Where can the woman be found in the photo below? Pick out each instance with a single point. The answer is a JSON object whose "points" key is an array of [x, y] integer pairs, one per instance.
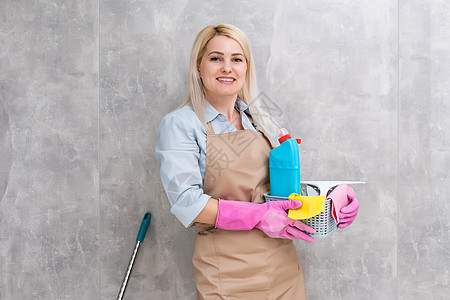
{"points": [[214, 167]]}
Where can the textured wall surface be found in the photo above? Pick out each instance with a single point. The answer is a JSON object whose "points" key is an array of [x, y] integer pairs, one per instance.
{"points": [[424, 153], [49, 148], [84, 85]]}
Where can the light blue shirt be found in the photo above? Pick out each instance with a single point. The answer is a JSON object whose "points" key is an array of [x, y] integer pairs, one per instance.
{"points": [[181, 150]]}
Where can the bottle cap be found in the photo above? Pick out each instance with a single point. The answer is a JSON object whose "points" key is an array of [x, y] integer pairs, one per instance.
{"points": [[283, 135]]}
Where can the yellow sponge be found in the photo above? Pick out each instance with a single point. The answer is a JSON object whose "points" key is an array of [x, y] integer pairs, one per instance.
{"points": [[311, 206]]}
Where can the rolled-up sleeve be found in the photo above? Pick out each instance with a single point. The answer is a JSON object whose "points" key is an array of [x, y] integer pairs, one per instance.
{"points": [[179, 154]]}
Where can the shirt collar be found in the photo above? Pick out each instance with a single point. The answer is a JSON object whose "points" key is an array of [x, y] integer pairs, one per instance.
{"points": [[241, 106], [211, 113]]}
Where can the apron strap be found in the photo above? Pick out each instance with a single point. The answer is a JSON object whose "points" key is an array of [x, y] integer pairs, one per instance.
{"points": [[209, 129], [250, 119], [269, 139]]}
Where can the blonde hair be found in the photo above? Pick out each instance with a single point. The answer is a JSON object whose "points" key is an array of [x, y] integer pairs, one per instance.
{"points": [[248, 93]]}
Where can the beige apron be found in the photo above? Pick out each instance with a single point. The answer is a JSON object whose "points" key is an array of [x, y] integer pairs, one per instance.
{"points": [[242, 264]]}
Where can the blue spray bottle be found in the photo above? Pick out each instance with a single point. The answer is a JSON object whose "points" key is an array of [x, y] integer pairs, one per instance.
{"points": [[284, 166]]}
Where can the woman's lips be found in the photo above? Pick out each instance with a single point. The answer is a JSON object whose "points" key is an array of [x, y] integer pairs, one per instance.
{"points": [[226, 80]]}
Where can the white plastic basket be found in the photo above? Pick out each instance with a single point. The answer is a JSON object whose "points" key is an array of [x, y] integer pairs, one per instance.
{"points": [[323, 223]]}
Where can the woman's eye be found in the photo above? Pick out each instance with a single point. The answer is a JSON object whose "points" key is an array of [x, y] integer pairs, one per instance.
{"points": [[237, 60], [214, 58]]}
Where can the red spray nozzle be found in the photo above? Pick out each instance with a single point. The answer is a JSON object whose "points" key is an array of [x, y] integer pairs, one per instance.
{"points": [[283, 135]]}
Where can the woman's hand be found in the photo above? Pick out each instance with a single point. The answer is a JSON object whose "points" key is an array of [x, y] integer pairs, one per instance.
{"points": [[348, 213], [276, 224], [269, 217]]}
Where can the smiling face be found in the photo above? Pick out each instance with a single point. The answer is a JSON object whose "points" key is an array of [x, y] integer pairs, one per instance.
{"points": [[223, 68]]}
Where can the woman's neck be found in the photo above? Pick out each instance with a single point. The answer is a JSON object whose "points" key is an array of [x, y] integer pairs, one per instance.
{"points": [[225, 106]]}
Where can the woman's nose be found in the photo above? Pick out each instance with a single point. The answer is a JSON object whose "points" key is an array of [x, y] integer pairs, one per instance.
{"points": [[226, 66]]}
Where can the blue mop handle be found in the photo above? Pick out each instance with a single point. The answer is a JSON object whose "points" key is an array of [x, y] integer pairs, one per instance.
{"points": [[144, 227], [139, 240]]}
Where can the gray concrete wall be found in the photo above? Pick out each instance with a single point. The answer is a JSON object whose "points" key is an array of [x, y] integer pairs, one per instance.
{"points": [[84, 84]]}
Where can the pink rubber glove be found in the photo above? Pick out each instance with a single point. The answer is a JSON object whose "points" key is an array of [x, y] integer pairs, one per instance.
{"points": [[344, 205], [270, 217], [348, 213]]}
